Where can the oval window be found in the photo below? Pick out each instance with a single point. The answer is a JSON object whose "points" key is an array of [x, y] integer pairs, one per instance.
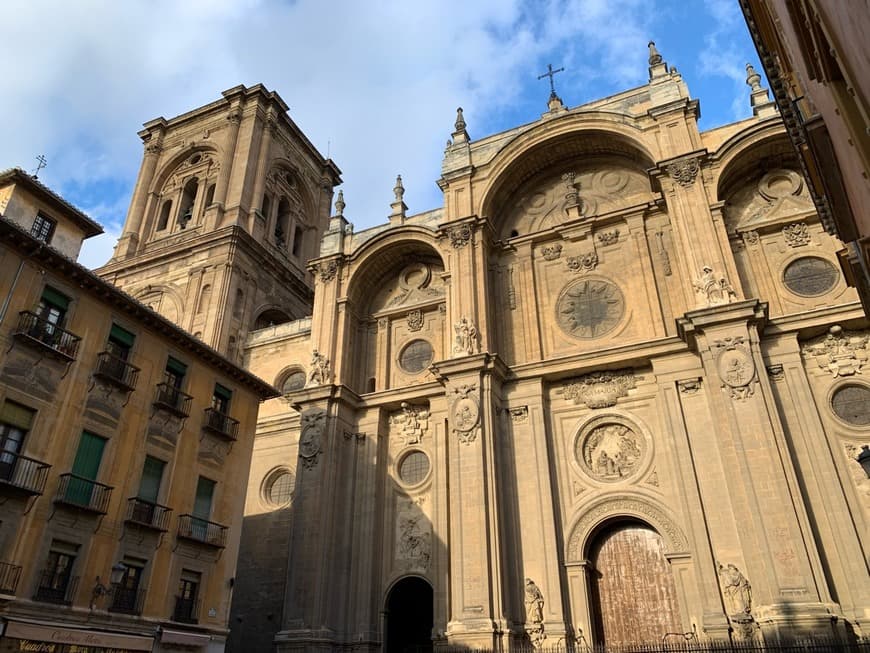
{"points": [[416, 356], [810, 276]]}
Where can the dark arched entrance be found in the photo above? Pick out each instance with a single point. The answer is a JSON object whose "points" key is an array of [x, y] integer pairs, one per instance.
{"points": [[408, 619], [634, 598]]}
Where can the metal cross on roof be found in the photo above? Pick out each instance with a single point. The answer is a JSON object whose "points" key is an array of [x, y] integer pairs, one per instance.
{"points": [[42, 164], [550, 72]]}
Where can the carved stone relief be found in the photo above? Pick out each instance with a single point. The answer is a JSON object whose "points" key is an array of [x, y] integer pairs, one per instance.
{"points": [[714, 291], [310, 437], [684, 171], [534, 601], [519, 415], [737, 594], [320, 369], [610, 452], [839, 352], [583, 263], [327, 270], [410, 423], [415, 320], [413, 536], [589, 308], [600, 389], [778, 197], [776, 372], [551, 252], [735, 367], [796, 234], [415, 283], [459, 235], [465, 342], [689, 386], [465, 413], [608, 237]]}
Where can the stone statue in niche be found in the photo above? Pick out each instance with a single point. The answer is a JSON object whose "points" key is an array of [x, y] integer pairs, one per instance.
{"points": [[611, 452], [319, 373], [412, 423], [715, 291], [534, 601], [466, 337], [738, 598]]}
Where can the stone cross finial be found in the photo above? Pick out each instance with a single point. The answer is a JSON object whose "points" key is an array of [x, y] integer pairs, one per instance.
{"points": [[655, 58], [753, 79], [398, 189], [459, 125], [339, 204]]}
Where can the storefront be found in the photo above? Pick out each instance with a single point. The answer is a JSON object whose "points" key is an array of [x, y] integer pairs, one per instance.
{"points": [[47, 637]]}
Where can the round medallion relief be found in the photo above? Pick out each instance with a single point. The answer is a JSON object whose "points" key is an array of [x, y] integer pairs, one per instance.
{"points": [[851, 403], [416, 356], [736, 367], [589, 307], [610, 452], [810, 276]]}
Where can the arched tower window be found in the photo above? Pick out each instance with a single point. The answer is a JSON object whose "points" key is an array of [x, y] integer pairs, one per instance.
{"points": [[204, 297], [298, 236], [165, 210], [282, 223], [267, 205], [209, 197], [188, 197]]}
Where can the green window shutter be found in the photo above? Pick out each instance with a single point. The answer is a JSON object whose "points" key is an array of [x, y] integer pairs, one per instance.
{"points": [[17, 415], [89, 456], [222, 392], [55, 298], [152, 475], [176, 367], [121, 336], [204, 494]]}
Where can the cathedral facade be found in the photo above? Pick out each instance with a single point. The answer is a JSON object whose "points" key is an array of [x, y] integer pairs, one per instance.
{"points": [[612, 391]]}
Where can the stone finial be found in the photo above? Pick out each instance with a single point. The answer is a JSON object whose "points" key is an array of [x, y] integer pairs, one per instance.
{"points": [[655, 58], [459, 125], [339, 204], [753, 78], [398, 189]]}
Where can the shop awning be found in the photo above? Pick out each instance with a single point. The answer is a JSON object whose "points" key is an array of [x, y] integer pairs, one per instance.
{"points": [[183, 638], [61, 633]]}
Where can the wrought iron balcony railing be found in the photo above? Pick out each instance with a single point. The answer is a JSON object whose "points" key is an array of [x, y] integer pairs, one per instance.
{"points": [[172, 399], [202, 531], [186, 611], [148, 514], [83, 493], [116, 371], [221, 424], [56, 588], [127, 600], [9, 576], [22, 475], [39, 332]]}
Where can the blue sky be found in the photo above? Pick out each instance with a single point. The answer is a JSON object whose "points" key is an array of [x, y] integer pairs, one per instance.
{"points": [[375, 84]]}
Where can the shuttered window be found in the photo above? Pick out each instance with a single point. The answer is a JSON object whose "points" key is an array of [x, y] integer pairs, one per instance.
{"points": [[89, 456], [204, 495], [152, 476]]}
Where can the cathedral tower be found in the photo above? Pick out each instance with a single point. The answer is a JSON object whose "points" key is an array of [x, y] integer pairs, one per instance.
{"points": [[230, 203]]}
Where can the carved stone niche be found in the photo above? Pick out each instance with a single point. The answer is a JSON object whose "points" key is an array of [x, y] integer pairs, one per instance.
{"points": [[600, 389]]}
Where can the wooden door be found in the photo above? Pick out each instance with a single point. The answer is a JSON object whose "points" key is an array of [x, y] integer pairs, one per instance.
{"points": [[633, 593]]}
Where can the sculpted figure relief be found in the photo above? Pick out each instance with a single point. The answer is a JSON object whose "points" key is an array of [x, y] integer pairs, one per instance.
{"points": [[534, 613], [736, 589], [319, 373], [611, 451], [714, 291], [466, 337]]}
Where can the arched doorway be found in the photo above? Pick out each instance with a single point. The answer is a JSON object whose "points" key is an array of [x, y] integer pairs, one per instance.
{"points": [[633, 595], [408, 619]]}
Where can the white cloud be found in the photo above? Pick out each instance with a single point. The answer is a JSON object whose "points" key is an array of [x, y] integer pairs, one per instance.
{"points": [[376, 83]]}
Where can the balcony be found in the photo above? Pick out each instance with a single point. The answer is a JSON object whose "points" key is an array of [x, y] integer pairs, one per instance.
{"points": [[37, 332], [186, 610], [148, 515], [127, 600], [56, 588], [172, 400], [202, 531], [22, 475], [220, 424], [9, 575], [116, 371], [83, 494]]}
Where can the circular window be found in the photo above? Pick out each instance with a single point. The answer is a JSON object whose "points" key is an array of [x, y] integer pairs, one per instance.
{"points": [[413, 468], [416, 356], [810, 276], [196, 158], [851, 403], [278, 487], [294, 381], [589, 308]]}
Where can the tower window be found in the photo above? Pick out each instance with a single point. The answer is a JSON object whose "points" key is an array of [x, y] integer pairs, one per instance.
{"points": [[209, 197], [297, 241], [188, 197], [165, 210], [43, 228], [282, 223]]}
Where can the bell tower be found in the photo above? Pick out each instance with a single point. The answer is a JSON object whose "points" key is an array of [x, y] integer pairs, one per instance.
{"points": [[229, 205]]}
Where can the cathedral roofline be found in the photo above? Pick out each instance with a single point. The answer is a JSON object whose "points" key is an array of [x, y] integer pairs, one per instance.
{"points": [[14, 236], [89, 226]]}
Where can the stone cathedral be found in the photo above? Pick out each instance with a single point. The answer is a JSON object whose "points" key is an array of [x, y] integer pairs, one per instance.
{"points": [[614, 390]]}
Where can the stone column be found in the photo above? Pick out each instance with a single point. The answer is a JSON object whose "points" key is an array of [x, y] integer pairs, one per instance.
{"points": [[263, 163]]}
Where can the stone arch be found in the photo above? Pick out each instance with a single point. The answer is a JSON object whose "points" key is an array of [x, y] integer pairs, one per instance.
{"points": [[162, 298], [284, 376], [739, 156], [567, 138], [269, 315], [175, 162], [619, 506]]}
